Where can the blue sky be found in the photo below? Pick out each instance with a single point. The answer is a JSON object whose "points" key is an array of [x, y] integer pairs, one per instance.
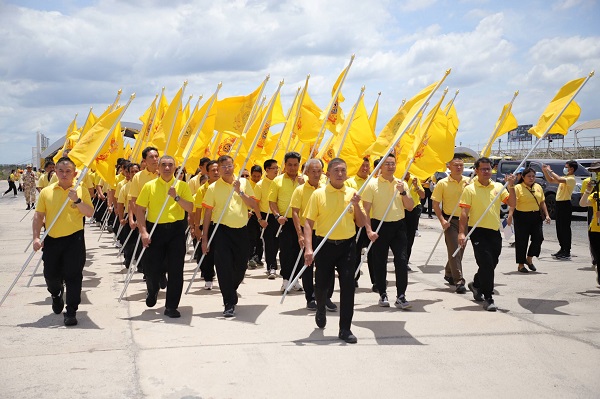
{"points": [[60, 58]]}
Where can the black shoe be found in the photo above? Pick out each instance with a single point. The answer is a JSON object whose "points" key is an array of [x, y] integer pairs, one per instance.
{"points": [[449, 279], [408, 268], [477, 295], [311, 305], [32, 206], [332, 307], [163, 281], [460, 288], [28, 207], [151, 298], [58, 303], [321, 318], [355, 283], [523, 270], [560, 252], [229, 311], [347, 336], [172, 313], [70, 319], [531, 267], [564, 256]]}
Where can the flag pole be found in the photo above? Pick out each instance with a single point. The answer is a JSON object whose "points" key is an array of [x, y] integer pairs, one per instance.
{"points": [[34, 271], [548, 127], [164, 205], [78, 182], [333, 101], [360, 96], [297, 114], [162, 94], [189, 120], [497, 129], [85, 123], [174, 120], [239, 140], [271, 103], [114, 104], [287, 120], [373, 173]]}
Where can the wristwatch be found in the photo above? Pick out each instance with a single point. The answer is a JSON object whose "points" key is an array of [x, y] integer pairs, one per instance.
{"points": [[403, 193], [241, 193], [277, 216], [177, 198], [78, 201]]}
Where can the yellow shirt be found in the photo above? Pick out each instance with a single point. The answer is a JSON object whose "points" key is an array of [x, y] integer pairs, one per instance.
{"points": [[261, 193], [252, 184], [300, 198], [122, 196], [448, 192], [194, 183], [566, 189], [153, 195], [281, 192], [526, 202], [379, 193], [414, 190], [325, 206], [138, 181], [12, 177], [355, 182], [594, 227], [236, 214], [477, 198], [71, 219], [43, 181], [119, 187]]}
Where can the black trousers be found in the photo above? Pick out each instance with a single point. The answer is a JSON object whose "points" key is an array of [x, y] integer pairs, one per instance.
{"points": [[308, 278], [528, 225], [428, 200], [563, 225], [130, 244], [594, 238], [363, 242], [487, 245], [255, 248], [166, 251], [593, 253], [271, 242], [64, 258], [207, 267], [411, 218], [288, 250], [11, 186], [231, 249], [336, 255], [392, 235]]}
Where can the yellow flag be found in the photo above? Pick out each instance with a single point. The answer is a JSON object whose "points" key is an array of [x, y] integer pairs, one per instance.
{"points": [[84, 152], [68, 144], [337, 84], [161, 109], [453, 121], [396, 125], [202, 142], [106, 160], [169, 126], [502, 127], [233, 112], [143, 136], [128, 151], [558, 103], [373, 116], [307, 124]]}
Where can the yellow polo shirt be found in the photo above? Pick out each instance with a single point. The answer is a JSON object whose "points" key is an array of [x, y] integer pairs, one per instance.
{"points": [[594, 227], [194, 183], [477, 198], [252, 184], [448, 192], [236, 214], [119, 187], [122, 196], [414, 190], [300, 198], [71, 219], [526, 202], [43, 181], [325, 206], [138, 181], [199, 197], [355, 182], [153, 195], [566, 189], [281, 192], [379, 193], [261, 193]]}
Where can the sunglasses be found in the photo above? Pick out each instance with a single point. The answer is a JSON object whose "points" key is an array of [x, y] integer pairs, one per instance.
{"points": [[245, 176]]}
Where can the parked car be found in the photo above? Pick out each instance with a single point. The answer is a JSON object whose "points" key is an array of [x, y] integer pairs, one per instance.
{"points": [[587, 162], [506, 167]]}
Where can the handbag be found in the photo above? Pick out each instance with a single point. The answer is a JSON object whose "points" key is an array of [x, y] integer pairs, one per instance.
{"points": [[542, 216]]}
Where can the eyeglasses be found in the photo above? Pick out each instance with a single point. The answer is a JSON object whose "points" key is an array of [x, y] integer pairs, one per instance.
{"points": [[390, 163], [245, 176], [485, 169], [226, 166]]}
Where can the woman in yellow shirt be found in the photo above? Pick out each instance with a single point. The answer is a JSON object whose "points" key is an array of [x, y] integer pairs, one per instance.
{"points": [[528, 220], [591, 198]]}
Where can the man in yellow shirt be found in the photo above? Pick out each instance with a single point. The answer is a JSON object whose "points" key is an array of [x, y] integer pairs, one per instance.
{"points": [[11, 183], [123, 212], [324, 207], [64, 246], [261, 192], [486, 239], [564, 210], [411, 218], [44, 179], [447, 192], [392, 234], [166, 248], [230, 241], [256, 244], [591, 199], [280, 195]]}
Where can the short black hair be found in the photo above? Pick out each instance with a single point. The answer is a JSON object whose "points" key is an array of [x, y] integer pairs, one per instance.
{"points": [[483, 160], [291, 155], [267, 164], [456, 156], [204, 161], [147, 150], [573, 164], [131, 165], [224, 158], [334, 162], [48, 163], [67, 160], [210, 163], [256, 168]]}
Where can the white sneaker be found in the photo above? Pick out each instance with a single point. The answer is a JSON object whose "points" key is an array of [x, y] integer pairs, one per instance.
{"points": [[383, 301], [284, 285], [297, 286], [417, 234], [272, 274], [208, 285], [402, 303]]}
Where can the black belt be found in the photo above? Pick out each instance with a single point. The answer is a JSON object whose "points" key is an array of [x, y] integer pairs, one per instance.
{"points": [[336, 242]]}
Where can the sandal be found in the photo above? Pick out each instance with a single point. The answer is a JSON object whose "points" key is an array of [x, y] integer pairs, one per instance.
{"points": [[531, 267]]}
